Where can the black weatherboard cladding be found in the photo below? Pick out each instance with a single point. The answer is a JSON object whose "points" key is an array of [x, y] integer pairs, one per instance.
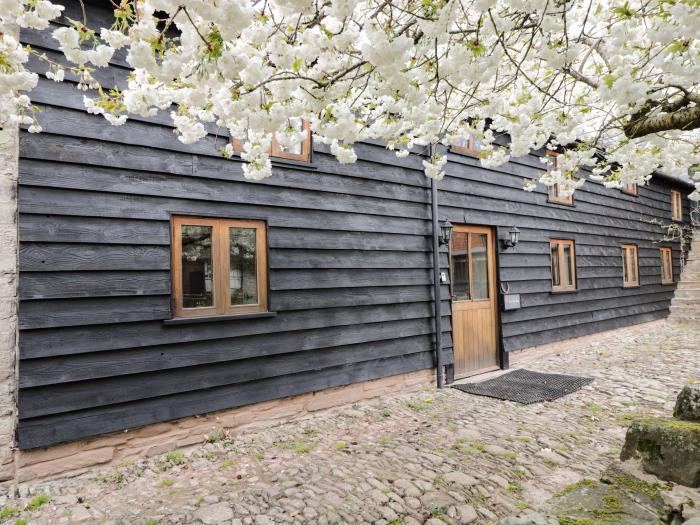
{"points": [[349, 257]]}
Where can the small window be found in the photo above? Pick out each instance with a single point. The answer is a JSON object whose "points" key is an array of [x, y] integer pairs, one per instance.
{"points": [[630, 189], [630, 265], [219, 266], [470, 145], [301, 152], [563, 258], [666, 265], [677, 205], [553, 164]]}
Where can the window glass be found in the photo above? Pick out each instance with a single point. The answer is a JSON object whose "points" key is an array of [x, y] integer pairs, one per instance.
{"points": [[625, 265], [567, 264], [297, 149], [197, 269], [243, 279], [556, 272], [460, 268], [480, 266]]}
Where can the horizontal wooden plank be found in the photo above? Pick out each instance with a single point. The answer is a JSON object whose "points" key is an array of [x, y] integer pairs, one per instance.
{"points": [[565, 321], [66, 229], [235, 189], [96, 365], [43, 257], [344, 278], [65, 285], [75, 312], [47, 430], [349, 259], [88, 204], [99, 338], [70, 396], [360, 178], [551, 335], [575, 306]]}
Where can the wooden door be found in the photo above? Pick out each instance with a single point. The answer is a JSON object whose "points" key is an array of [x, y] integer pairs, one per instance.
{"points": [[474, 320]]}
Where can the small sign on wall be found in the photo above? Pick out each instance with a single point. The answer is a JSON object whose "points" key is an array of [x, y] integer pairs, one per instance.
{"points": [[511, 301]]}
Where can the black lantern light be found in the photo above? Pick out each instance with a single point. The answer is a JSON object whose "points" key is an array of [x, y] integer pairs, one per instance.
{"points": [[445, 232], [513, 238]]}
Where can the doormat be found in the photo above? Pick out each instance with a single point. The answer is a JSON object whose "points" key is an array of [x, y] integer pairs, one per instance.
{"points": [[526, 387]]}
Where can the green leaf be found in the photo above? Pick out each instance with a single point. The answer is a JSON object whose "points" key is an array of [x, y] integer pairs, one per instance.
{"points": [[624, 11]]}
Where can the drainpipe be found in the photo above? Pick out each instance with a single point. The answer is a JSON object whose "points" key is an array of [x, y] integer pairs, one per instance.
{"points": [[436, 280]]}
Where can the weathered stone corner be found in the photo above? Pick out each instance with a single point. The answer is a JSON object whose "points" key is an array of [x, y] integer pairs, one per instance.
{"points": [[688, 403], [9, 238]]}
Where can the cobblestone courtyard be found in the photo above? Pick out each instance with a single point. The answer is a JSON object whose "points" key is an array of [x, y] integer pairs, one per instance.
{"points": [[424, 456]]}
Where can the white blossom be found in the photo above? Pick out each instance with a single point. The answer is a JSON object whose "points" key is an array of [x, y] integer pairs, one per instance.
{"points": [[576, 76]]}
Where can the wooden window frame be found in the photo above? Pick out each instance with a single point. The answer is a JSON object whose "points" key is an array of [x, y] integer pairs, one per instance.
{"points": [[630, 189], [276, 150], [628, 249], [221, 266], [554, 191], [560, 243], [469, 149], [666, 260], [676, 205]]}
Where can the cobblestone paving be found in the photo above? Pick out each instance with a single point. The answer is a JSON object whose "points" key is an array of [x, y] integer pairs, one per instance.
{"points": [[425, 456]]}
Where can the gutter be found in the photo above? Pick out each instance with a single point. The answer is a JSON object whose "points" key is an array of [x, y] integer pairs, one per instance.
{"points": [[436, 281]]}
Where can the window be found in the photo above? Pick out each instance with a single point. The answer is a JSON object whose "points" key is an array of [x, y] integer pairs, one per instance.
{"points": [[677, 205], [553, 164], [301, 152], [666, 265], [563, 259], [630, 265], [470, 145], [469, 265], [219, 266], [630, 189]]}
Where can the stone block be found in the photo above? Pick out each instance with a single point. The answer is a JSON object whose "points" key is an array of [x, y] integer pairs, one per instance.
{"points": [[65, 465], [688, 403], [335, 397], [668, 448]]}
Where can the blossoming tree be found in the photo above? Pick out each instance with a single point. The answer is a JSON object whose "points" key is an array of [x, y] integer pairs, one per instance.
{"points": [[617, 83]]}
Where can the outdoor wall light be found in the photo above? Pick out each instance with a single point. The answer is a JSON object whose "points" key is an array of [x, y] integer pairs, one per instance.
{"points": [[445, 232], [513, 238]]}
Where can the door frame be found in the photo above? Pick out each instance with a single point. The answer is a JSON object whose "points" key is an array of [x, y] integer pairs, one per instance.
{"points": [[501, 356]]}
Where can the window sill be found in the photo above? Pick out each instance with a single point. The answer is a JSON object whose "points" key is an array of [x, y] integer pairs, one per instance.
{"points": [[631, 285], [287, 163], [465, 153], [557, 292], [668, 283], [569, 204], [281, 162], [217, 318]]}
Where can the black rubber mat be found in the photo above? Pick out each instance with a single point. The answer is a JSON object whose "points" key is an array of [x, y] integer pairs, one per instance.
{"points": [[526, 387]]}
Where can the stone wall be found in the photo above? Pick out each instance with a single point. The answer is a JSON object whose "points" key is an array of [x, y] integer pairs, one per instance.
{"points": [[77, 457], [9, 163]]}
